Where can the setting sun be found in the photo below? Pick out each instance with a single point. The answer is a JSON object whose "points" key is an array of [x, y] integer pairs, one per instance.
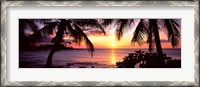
{"points": [[113, 44]]}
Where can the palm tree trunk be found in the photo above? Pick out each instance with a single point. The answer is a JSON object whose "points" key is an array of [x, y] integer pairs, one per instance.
{"points": [[157, 37], [49, 59], [59, 36], [160, 62]]}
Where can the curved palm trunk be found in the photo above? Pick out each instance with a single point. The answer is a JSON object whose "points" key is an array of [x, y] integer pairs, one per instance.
{"points": [[49, 59], [59, 36], [157, 37]]}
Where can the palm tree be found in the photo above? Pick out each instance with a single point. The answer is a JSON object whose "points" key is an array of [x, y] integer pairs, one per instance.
{"points": [[147, 30], [70, 27]]}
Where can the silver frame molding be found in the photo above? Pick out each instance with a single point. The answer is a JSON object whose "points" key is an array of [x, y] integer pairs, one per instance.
{"points": [[5, 4]]}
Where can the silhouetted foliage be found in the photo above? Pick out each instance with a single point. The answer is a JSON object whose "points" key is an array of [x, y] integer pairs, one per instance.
{"points": [[24, 26], [73, 28], [143, 59], [147, 31]]}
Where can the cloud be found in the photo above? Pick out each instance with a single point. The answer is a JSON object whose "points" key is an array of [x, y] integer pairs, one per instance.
{"points": [[164, 41]]}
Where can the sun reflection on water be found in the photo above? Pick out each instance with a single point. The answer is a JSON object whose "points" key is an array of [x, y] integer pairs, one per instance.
{"points": [[113, 57]]}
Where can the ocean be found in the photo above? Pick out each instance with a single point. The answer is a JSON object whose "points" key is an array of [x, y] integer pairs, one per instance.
{"points": [[81, 58]]}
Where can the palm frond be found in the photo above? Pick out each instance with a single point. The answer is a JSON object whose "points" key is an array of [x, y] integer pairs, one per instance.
{"points": [[140, 33], [45, 31], [172, 28], [107, 22], [57, 39], [131, 21], [84, 37], [176, 23], [75, 35], [27, 23], [122, 24], [92, 23], [60, 33]]}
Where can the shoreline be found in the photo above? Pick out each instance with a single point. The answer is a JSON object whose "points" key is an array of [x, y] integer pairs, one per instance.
{"points": [[34, 64]]}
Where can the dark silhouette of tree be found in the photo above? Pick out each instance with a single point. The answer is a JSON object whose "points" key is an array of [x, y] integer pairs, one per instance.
{"points": [[147, 30], [142, 59], [70, 27], [25, 25], [26, 28]]}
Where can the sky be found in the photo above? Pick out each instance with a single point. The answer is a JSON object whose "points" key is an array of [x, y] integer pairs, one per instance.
{"points": [[110, 41]]}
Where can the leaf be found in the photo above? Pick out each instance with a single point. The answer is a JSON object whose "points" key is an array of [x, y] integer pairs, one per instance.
{"points": [[140, 33], [122, 24], [88, 43], [45, 31], [172, 28]]}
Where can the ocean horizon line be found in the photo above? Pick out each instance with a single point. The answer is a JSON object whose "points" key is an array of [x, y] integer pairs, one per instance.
{"points": [[125, 48]]}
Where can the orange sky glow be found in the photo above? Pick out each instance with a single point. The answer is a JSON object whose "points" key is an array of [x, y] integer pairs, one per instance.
{"points": [[110, 41]]}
